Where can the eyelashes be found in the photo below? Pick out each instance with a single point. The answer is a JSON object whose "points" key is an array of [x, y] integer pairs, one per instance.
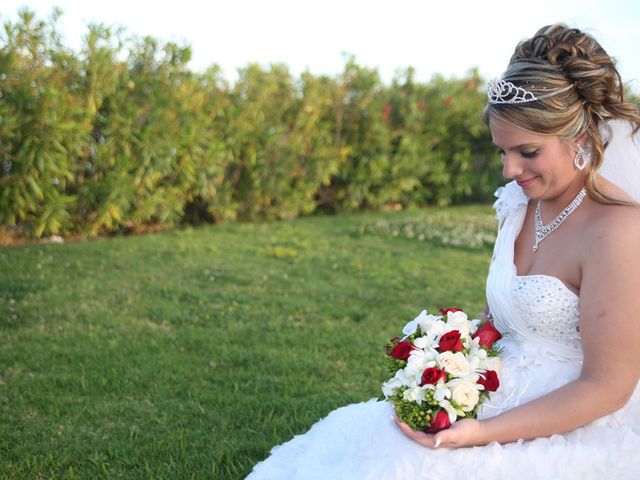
{"points": [[528, 154], [531, 154]]}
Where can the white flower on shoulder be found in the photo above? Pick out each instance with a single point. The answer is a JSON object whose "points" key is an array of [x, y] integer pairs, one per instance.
{"points": [[455, 363], [510, 198]]}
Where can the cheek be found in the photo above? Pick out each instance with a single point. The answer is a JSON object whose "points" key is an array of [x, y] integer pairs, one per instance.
{"points": [[555, 165]]}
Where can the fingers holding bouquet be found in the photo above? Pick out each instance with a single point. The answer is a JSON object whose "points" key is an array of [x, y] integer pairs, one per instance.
{"points": [[463, 433]]}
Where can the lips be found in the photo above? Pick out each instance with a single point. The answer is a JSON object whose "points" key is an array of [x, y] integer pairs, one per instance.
{"points": [[527, 182]]}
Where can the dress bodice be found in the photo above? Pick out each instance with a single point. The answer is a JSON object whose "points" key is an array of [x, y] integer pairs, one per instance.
{"points": [[538, 311], [549, 309]]}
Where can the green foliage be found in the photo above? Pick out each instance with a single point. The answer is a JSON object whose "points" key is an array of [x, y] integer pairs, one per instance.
{"points": [[418, 417], [122, 135], [43, 124]]}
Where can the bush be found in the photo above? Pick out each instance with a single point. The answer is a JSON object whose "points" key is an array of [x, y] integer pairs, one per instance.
{"points": [[122, 135]]}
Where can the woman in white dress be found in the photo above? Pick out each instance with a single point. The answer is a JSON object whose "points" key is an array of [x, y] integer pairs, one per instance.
{"points": [[562, 288]]}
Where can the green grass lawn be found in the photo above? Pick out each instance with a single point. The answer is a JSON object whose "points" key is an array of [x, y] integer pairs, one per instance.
{"points": [[189, 354]]}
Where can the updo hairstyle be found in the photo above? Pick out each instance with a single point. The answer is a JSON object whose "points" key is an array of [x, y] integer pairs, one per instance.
{"points": [[558, 57]]}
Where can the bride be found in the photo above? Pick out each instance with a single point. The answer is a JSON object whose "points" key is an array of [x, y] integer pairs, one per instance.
{"points": [[562, 289]]}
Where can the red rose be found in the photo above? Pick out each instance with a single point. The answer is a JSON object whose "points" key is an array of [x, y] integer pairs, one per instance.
{"points": [[447, 310], [402, 350], [440, 421], [451, 341], [490, 380], [432, 375], [487, 334]]}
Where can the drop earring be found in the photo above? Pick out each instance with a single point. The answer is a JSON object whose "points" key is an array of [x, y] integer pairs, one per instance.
{"points": [[583, 157]]}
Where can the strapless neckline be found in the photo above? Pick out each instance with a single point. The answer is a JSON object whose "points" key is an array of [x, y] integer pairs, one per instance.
{"points": [[556, 279]]}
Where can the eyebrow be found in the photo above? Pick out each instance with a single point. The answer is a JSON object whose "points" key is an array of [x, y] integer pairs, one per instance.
{"points": [[519, 147]]}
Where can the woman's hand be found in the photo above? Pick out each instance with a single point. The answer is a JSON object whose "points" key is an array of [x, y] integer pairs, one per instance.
{"points": [[464, 433]]}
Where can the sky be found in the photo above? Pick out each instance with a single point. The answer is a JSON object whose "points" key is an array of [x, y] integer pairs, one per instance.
{"points": [[443, 37]]}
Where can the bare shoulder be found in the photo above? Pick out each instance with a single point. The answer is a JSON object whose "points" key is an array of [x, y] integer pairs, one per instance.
{"points": [[613, 232], [612, 219], [610, 267]]}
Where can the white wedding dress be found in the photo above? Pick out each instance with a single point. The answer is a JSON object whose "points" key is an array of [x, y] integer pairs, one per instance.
{"points": [[538, 316]]}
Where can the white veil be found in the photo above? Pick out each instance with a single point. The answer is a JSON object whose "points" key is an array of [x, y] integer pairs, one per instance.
{"points": [[621, 156]]}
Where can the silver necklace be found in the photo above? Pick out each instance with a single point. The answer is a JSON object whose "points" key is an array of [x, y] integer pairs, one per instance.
{"points": [[543, 231]]}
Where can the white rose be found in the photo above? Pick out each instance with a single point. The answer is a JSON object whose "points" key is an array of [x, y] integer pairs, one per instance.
{"points": [[465, 395], [455, 363], [458, 321], [493, 363]]}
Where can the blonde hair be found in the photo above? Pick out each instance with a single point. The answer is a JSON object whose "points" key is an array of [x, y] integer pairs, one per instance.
{"points": [[558, 57]]}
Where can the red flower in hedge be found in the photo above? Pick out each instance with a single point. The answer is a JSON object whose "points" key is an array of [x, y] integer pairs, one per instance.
{"points": [[386, 113]]}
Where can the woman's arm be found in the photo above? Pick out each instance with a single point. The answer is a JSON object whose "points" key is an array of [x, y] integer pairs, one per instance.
{"points": [[610, 332]]}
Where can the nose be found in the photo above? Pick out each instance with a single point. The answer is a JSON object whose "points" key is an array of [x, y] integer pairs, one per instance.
{"points": [[511, 166]]}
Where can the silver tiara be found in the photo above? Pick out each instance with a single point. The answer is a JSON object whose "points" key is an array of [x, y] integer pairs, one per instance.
{"points": [[501, 91]]}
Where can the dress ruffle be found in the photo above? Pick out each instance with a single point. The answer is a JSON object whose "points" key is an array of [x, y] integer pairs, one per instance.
{"points": [[361, 441]]}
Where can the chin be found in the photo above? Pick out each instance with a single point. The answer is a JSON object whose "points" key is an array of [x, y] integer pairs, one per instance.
{"points": [[532, 193]]}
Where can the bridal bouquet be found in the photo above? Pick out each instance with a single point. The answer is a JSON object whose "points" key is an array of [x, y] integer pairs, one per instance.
{"points": [[443, 368]]}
